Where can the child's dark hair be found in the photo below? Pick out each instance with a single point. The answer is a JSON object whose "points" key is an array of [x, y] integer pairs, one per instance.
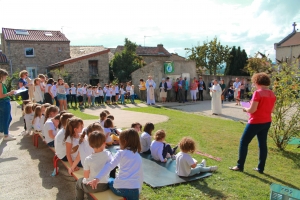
{"points": [[49, 110], [133, 125], [92, 127], [148, 128], [63, 119], [106, 111], [159, 135], [28, 109], [110, 117], [34, 105], [61, 113], [108, 123], [50, 81], [130, 139], [187, 145], [57, 117], [96, 139], [103, 115], [72, 123]]}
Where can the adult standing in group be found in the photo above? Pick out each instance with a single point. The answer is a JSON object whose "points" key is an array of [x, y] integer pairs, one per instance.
{"points": [[194, 89], [5, 107], [142, 88], [187, 85], [201, 87], [150, 85], [181, 89], [54, 93], [236, 87], [216, 104], [48, 92], [163, 90], [223, 86], [262, 105], [61, 94], [23, 83], [169, 89], [176, 89]]}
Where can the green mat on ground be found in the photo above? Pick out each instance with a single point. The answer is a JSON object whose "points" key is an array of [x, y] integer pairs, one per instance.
{"points": [[158, 174]]}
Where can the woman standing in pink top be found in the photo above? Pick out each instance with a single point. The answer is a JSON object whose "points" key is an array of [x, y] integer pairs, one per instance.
{"points": [[262, 105]]}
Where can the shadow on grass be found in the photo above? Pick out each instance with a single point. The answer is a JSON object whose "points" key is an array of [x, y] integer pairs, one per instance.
{"points": [[293, 156], [205, 189], [271, 177]]}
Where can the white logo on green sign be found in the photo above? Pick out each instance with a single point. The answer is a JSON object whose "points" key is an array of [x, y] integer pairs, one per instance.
{"points": [[169, 68]]}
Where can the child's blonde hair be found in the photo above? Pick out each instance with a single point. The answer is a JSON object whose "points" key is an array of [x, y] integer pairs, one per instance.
{"points": [[159, 135], [28, 109], [36, 80], [187, 145], [49, 110], [129, 139], [72, 123], [37, 113]]}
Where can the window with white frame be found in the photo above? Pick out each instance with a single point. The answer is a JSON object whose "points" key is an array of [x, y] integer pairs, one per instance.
{"points": [[32, 71], [29, 52]]}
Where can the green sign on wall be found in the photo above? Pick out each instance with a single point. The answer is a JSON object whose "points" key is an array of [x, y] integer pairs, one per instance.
{"points": [[169, 67]]}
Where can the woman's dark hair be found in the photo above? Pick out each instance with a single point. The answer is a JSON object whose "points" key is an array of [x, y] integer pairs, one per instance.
{"points": [[261, 79], [148, 128], [92, 127], [129, 139], [96, 139], [108, 123], [50, 81]]}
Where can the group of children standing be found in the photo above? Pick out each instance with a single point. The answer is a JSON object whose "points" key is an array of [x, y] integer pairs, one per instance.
{"points": [[87, 148]]}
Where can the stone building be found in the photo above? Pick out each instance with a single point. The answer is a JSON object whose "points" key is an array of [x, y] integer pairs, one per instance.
{"points": [[34, 50], [89, 68], [288, 49]]}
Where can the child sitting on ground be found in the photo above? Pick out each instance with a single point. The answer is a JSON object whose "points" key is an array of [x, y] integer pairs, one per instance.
{"points": [[129, 181], [160, 151], [92, 165], [111, 134], [29, 115], [50, 130], [185, 164], [146, 138]]}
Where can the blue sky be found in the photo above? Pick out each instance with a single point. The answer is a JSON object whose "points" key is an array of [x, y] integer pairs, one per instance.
{"points": [[255, 25]]}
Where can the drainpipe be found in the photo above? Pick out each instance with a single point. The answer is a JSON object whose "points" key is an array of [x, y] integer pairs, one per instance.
{"points": [[10, 67]]}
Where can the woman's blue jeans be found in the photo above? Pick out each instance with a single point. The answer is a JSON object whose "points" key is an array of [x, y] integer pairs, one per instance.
{"points": [[122, 99], [5, 116], [129, 194], [261, 132]]}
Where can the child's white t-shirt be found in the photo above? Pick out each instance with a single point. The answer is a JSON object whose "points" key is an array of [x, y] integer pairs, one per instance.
{"points": [[79, 91], [37, 124], [47, 127], [128, 88], [107, 132], [54, 90], [89, 92], [59, 143], [96, 93], [108, 94], [156, 149], [145, 141], [183, 164], [101, 93], [122, 91], [84, 90], [117, 89], [85, 149], [131, 172], [131, 91], [94, 163], [74, 142], [113, 92], [42, 122], [73, 90], [28, 120]]}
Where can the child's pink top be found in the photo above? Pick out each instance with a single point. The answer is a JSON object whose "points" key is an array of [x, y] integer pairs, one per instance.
{"points": [[266, 100]]}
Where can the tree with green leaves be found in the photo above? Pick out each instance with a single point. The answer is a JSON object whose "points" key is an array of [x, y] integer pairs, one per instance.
{"points": [[126, 62], [211, 55], [237, 62]]}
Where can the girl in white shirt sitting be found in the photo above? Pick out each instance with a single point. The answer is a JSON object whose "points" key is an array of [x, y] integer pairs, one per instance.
{"points": [[129, 181], [28, 117], [37, 120], [50, 130], [73, 129], [146, 138], [185, 164], [160, 151]]}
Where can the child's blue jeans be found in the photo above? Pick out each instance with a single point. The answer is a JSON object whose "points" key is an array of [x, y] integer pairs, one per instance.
{"points": [[198, 169], [129, 194], [122, 98], [132, 98], [93, 100], [5, 116]]}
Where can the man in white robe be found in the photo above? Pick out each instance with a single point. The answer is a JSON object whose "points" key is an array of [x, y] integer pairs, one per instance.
{"points": [[150, 85], [216, 103]]}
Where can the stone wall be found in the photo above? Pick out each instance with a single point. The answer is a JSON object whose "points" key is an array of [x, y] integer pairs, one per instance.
{"points": [[45, 53], [288, 52], [79, 70], [156, 69], [6, 67]]}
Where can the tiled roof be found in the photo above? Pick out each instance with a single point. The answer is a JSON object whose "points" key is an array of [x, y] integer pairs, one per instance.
{"points": [[71, 60], [290, 40], [76, 51], [148, 51], [34, 35], [3, 59]]}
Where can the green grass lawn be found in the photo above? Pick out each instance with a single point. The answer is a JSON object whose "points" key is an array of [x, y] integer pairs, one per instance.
{"points": [[220, 138]]}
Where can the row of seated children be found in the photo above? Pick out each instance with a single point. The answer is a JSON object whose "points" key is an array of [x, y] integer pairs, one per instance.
{"points": [[161, 151]]}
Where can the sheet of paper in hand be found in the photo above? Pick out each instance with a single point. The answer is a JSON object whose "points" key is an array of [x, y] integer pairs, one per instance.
{"points": [[246, 105], [22, 89]]}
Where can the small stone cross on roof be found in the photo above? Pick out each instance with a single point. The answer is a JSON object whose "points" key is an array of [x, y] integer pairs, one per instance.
{"points": [[294, 25]]}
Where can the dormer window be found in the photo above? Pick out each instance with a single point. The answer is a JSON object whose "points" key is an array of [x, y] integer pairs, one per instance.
{"points": [[48, 34], [21, 32]]}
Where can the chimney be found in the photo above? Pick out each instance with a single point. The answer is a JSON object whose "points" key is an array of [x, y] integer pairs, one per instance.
{"points": [[160, 48]]}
